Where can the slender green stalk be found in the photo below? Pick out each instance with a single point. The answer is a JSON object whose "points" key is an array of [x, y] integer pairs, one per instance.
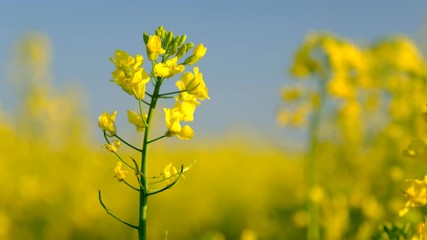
{"points": [[143, 193], [313, 228]]}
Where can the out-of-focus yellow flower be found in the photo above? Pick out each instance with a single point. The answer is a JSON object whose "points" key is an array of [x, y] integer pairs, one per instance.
{"points": [[422, 231], [172, 120], [169, 171], [416, 149], [137, 120], [106, 122], [193, 84], [154, 47], [120, 174], [339, 86], [316, 194], [113, 146], [248, 234], [169, 68], [416, 195], [198, 53], [291, 94], [129, 74]]}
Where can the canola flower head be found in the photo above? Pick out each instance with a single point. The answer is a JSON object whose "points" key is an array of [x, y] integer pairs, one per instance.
{"points": [[107, 122], [168, 69], [129, 74], [154, 47]]}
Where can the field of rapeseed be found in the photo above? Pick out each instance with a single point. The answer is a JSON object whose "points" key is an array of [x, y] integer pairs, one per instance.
{"points": [[360, 174]]}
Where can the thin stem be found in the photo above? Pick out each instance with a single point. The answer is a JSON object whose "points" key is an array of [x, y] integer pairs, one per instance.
{"points": [[171, 93], [125, 142], [169, 185], [134, 188], [141, 113], [111, 214], [313, 228], [153, 140], [123, 161]]}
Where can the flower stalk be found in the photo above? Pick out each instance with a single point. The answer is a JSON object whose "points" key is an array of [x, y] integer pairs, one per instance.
{"points": [[132, 78]]}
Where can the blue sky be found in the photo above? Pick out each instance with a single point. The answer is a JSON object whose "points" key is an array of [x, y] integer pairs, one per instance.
{"points": [[250, 45]]}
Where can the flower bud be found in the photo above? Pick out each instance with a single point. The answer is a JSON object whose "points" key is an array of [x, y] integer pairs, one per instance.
{"points": [[182, 39], [145, 36], [189, 46], [174, 48], [181, 51], [168, 39], [160, 32]]}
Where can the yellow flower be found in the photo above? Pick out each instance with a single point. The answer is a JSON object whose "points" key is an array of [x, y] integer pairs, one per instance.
{"points": [[416, 195], [113, 146], [198, 53], [120, 174], [193, 84], [154, 47], [169, 68], [187, 107], [172, 120], [186, 133], [129, 74], [169, 171], [137, 120], [106, 122]]}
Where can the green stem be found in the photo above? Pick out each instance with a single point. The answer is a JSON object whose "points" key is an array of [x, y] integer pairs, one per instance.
{"points": [[158, 138], [313, 229], [143, 193], [125, 142], [171, 93]]}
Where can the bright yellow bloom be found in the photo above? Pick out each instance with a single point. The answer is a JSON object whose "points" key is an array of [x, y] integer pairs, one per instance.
{"points": [[186, 133], [120, 174], [198, 53], [416, 195], [169, 68], [129, 74], [186, 107], [172, 120], [137, 120], [193, 84], [106, 122], [154, 47]]}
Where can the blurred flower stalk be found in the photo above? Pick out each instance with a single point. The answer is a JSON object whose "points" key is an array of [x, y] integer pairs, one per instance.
{"points": [[165, 51], [372, 94]]}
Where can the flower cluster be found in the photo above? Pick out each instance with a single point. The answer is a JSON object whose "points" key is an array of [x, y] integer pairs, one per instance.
{"points": [[166, 52], [133, 78]]}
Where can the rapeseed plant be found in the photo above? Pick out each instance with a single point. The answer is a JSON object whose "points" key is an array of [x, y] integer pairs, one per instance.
{"points": [[164, 51], [364, 100]]}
